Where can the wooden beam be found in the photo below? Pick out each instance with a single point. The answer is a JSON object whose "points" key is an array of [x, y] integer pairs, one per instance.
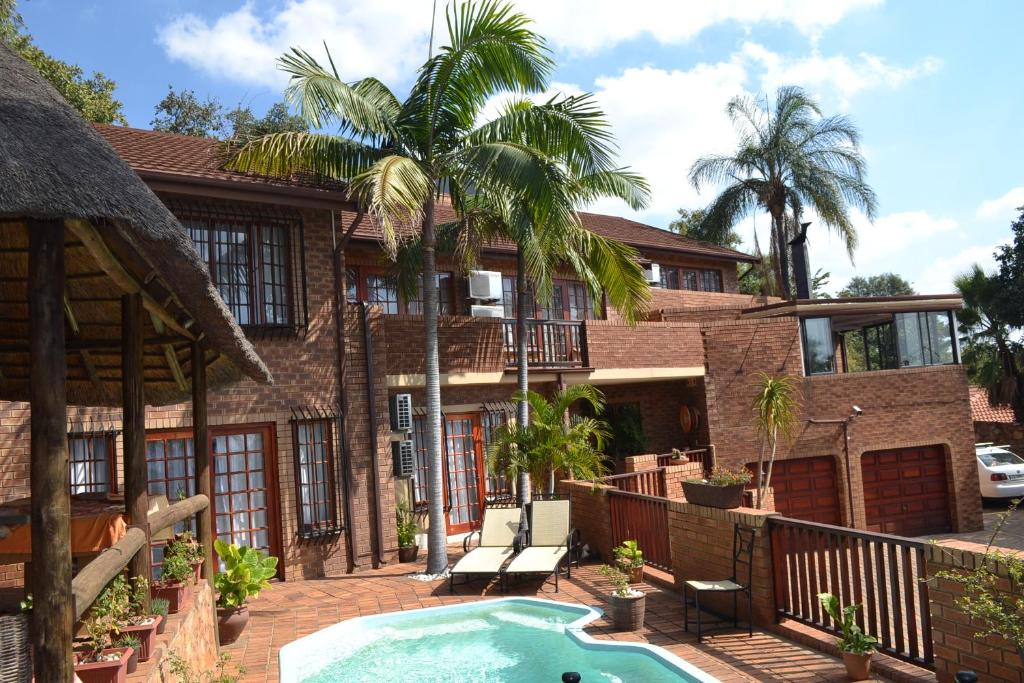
{"points": [[95, 576], [133, 422], [170, 355], [201, 449], [121, 277], [178, 512], [52, 616]]}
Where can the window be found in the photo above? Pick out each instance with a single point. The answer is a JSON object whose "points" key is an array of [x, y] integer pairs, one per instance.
{"points": [[925, 338], [670, 278], [690, 280], [674, 277], [314, 478], [381, 289], [421, 472], [819, 351], [352, 285], [171, 472], [498, 487], [444, 297], [710, 281], [92, 463]]}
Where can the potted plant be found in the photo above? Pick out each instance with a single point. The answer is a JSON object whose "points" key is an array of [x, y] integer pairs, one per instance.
{"points": [[140, 623], [158, 606], [247, 572], [175, 575], [625, 605], [130, 643], [407, 547], [99, 662], [723, 489], [630, 560], [855, 645], [188, 545]]}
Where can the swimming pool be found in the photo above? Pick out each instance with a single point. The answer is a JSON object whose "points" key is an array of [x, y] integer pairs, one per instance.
{"points": [[511, 640]]}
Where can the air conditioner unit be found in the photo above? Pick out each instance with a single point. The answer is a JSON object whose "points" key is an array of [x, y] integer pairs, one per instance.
{"points": [[652, 273], [400, 407], [485, 284], [487, 311], [404, 458]]}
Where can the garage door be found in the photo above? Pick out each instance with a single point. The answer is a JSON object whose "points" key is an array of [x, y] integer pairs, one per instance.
{"points": [[805, 488], [905, 491]]}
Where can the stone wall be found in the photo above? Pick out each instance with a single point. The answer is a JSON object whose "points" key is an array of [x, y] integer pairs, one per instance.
{"points": [[190, 635]]}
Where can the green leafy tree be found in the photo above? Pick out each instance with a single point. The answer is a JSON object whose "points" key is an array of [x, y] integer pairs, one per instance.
{"points": [[400, 156], [1010, 276], [244, 124], [819, 284], [92, 96], [693, 224], [789, 158], [883, 284], [183, 113], [552, 442], [776, 415]]}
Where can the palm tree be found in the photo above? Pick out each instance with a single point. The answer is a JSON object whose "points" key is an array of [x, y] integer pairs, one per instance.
{"points": [[399, 156], [789, 158], [552, 442], [991, 353], [776, 411]]}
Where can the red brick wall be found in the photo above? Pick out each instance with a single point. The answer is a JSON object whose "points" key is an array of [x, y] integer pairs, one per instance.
{"points": [[659, 406], [613, 344], [590, 515], [466, 344]]}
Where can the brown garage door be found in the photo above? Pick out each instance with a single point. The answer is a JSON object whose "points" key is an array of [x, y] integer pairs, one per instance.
{"points": [[905, 491], [805, 488]]}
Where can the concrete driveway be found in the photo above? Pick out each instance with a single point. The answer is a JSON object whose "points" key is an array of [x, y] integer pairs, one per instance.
{"points": [[1011, 536]]}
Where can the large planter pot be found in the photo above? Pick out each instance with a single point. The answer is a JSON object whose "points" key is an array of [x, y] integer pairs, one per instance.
{"points": [[634, 574], [106, 672], [627, 614], [146, 633], [176, 594], [408, 553], [231, 621], [858, 667], [724, 497]]}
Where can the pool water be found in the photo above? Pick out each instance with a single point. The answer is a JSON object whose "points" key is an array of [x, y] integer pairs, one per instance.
{"points": [[509, 640]]}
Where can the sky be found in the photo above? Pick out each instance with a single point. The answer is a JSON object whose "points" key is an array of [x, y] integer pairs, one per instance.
{"points": [[935, 88]]}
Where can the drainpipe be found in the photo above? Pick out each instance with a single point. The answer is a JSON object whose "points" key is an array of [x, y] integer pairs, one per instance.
{"points": [[379, 522], [845, 423]]}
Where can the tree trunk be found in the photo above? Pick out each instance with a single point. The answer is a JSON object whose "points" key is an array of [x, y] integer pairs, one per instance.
{"points": [[771, 463], [782, 250], [437, 551], [523, 366], [760, 475], [1012, 372]]}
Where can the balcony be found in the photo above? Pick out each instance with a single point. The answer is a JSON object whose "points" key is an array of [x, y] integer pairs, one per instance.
{"points": [[550, 344]]}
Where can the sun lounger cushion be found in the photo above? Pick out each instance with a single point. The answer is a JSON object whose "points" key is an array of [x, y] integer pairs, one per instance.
{"points": [[537, 560], [483, 560]]}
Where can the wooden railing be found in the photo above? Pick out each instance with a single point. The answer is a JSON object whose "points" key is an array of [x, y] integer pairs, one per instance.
{"points": [[644, 519], [94, 577], [550, 343], [647, 482], [705, 455], [881, 572]]}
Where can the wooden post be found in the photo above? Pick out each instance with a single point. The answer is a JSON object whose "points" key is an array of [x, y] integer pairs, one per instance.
{"points": [[52, 616], [136, 492], [201, 449]]}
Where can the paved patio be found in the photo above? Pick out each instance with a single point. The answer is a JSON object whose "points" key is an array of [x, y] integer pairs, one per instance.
{"points": [[290, 610], [1011, 536]]}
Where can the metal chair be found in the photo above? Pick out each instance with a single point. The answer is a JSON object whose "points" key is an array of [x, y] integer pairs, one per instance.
{"points": [[742, 572]]}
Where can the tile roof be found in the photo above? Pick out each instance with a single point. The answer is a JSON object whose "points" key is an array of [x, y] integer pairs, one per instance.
{"points": [[152, 152], [982, 410]]}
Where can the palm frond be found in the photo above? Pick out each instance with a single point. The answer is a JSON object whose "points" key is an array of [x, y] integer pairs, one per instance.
{"points": [[394, 191], [285, 154]]}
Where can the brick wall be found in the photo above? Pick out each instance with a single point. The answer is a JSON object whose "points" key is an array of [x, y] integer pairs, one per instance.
{"points": [[956, 643], [590, 515], [613, 344], [466, 344], [659, 405]]}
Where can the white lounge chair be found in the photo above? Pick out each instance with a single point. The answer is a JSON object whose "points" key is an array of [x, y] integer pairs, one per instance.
{"points": [[495, 544], [550, 541]]}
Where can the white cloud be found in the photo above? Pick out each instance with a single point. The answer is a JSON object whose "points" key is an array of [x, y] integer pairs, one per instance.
{"points": [[937, 278], [1003, 208]]}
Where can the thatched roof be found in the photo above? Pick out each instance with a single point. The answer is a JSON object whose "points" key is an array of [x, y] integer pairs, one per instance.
{"points": [[118, 237]]}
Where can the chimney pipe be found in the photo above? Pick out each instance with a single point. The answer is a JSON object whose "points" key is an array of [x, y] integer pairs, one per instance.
{"points": [[801, 265]]}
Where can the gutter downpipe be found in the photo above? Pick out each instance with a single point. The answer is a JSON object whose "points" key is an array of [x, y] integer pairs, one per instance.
{"points": [[845, 422], [368, 341]]}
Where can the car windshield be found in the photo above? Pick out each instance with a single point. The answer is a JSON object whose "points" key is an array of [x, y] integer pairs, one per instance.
{"points": [[1000, 458]]}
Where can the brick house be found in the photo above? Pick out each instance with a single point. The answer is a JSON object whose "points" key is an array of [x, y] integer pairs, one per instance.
{"points": [[293, 477]]}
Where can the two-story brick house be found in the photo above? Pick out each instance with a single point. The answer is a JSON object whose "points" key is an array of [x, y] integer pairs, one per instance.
{"points": [[295, 478]]}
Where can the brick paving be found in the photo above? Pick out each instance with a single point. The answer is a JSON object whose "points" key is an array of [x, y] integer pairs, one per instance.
{"points": [[291, 610], [1011, 536]]}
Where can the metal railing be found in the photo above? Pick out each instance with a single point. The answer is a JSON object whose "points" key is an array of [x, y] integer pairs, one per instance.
{"points": [[883, 573], [550, 343], [645, 520]]}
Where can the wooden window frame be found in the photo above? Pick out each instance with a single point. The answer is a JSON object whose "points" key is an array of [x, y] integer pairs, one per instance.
{"points": [[421, 463], [313, 529], [402, 306], [111, 460], [691, 279], [563, 304]]}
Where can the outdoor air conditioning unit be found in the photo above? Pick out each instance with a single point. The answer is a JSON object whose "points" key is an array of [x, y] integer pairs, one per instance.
{"points": [[404, 457], [487, 311], [652, 273], [485, 284], [401, 412]]}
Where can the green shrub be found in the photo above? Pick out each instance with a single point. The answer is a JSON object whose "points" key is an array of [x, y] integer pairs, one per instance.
{"points": [[247, 572], [406, 525], [852, 639], [629, 555]]}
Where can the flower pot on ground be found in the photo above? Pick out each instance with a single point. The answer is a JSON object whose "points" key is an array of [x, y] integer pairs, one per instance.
{"points": [[159, 608], [855, 645], [408, 553], [246, 572], [625, 605], [131, 644], [98, 662], [176, 576], [110, 665], [177, 595], [630, 560], [723, 489], [189, 547], [146, 632], [406, 521]]}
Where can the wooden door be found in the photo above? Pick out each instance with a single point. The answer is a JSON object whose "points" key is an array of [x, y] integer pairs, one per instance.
{"points": [[906, 492], [805, 488], [465, 469]]}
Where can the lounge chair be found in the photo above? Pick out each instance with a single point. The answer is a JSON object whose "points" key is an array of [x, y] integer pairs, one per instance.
{"points": [[551, 540], [496, 541]]}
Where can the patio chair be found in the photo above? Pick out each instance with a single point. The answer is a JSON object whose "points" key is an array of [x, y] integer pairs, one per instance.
{"points": [[551, 542], [742, 570], [496, 540]]}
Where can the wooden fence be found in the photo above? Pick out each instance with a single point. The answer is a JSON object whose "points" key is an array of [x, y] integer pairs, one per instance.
{"points": [[647, 482], [643, 518]]}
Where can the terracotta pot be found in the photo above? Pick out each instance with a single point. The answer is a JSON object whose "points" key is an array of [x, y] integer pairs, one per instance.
{"points": [[147, 636], [106, 672], [133, 662], [858, 667], [723, 497], [161, 625], [176, 594], [408, 553], [231, 621], [635, 574], [627, 614], [198, 569]]}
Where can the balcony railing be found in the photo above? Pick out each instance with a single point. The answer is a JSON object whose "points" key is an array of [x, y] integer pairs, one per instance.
{"points": [[550, 344]]}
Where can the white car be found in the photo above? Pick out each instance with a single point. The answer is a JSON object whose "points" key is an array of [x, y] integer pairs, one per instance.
{"points": [[1000, 471]]}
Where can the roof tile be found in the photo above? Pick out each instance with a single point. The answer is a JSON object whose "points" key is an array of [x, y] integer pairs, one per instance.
{"points": [[982, 410]]}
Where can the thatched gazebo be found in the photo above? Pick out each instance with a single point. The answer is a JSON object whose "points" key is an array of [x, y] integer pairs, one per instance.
{"points": [[104, 301]]}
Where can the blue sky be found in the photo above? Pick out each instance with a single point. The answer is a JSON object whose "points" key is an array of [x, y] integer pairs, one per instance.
{"points": [[934, 87]]}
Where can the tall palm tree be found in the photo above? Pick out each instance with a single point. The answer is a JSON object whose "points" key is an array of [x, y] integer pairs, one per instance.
{"points": [[399, 156], [776, 415], [990, 350], [789, 158]]}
